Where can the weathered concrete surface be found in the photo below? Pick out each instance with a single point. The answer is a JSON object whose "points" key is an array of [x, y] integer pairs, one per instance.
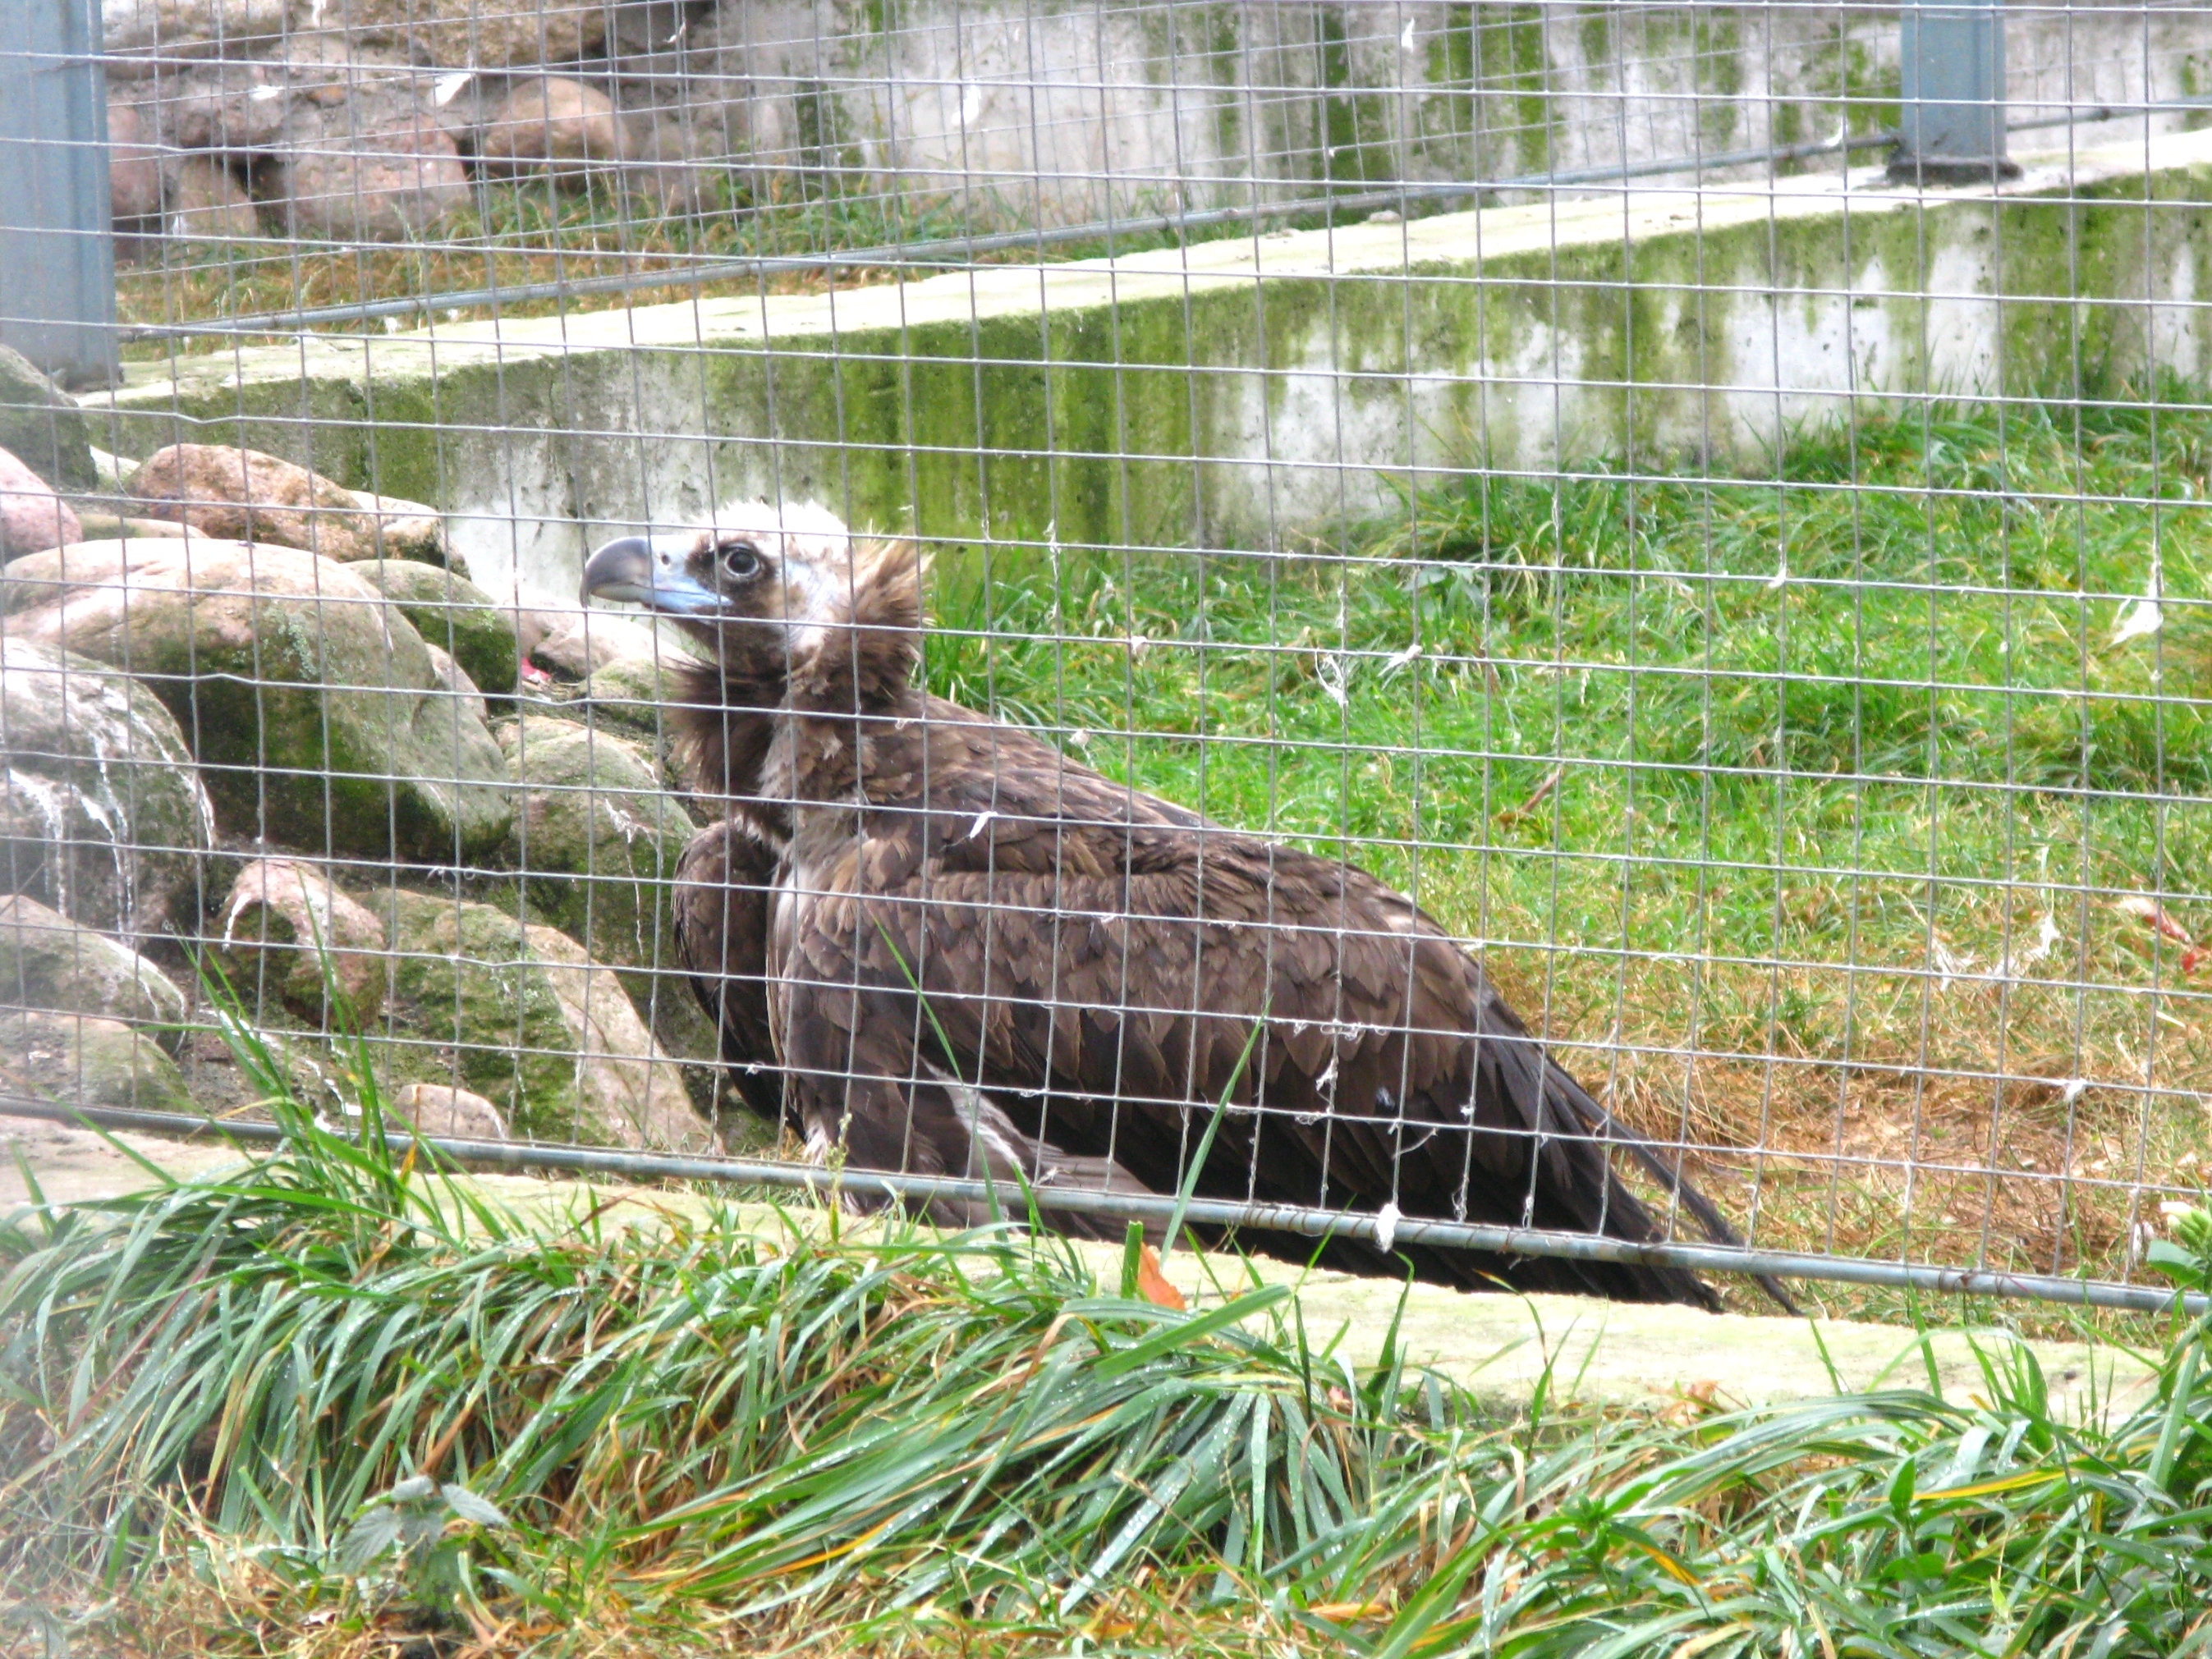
{"points": [[1243, 393], [1061, 111], [71, 1165], [1596, 1351]]}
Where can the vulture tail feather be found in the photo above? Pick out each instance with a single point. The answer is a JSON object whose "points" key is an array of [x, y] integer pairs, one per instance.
{"points": [[1669, 1176]]}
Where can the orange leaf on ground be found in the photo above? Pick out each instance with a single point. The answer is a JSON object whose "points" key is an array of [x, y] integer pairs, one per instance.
{"points": [[1153, 1284]]}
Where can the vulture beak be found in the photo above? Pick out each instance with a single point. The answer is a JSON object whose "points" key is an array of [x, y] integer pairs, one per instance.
{"points": [[650, 571]]}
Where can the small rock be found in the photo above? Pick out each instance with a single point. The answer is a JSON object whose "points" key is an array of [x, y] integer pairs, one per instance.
{"points": [[81, 1060], [283, 920], [452, 612], [32, 517], [207, 203], [340, 175], [552, 124], [409, 530], [235, 109], [629, 697], [101, 812], [47, 962], [576, 644], [661, 175], [242, 494], [439, 1109], [315, 711], [94, 526], [42, 426], [108, 471], [523, 1015], [455, 680]]}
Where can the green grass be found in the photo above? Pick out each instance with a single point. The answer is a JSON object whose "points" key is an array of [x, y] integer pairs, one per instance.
{"points": [[695, 1439], [1805, 803]]}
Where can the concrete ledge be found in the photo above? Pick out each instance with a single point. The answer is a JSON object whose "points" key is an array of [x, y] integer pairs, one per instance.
{"points": [[1243, 393], [1500, 1346]]}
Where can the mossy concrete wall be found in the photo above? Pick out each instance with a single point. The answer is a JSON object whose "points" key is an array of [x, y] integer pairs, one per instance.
{"points": [[1248, 393], [1003, 113]]}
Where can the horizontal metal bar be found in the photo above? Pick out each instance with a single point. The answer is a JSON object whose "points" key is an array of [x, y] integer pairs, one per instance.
{"points": [[1282, 1217]]}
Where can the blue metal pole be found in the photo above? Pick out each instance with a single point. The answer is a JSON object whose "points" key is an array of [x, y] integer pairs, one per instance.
{"points": [[57, 238], [1951, 126]]}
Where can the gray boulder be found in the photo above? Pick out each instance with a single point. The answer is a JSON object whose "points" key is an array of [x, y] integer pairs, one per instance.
{"points": [[83, 1060], [409, 530], [317, 716], [522, 1016], [102, 816], [207, 202], [439, 1109], [481, 36], [378, 167], [135, 163], [32, 516], [457, 684], [288, 928], [242, 494], [49, 963], [176, 28], [550, 124], [575, 644], [596, 843], [451, 612], [629, 697], [42, 427]]}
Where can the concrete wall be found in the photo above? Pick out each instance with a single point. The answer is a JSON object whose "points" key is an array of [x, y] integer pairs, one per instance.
{"points": [[1249, 393], [1010, 112]]}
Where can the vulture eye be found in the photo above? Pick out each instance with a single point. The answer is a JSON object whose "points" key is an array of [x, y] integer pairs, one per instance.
{"points": [[740, 560]]}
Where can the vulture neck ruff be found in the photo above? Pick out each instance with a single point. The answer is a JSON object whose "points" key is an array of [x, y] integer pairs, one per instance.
{"points": [[782, 722]]}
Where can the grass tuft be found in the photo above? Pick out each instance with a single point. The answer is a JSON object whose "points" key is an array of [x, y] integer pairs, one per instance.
{"points": [[695, 1433]]}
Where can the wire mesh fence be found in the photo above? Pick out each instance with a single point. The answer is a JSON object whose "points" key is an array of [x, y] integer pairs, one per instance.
{"points": [[1565, 642]]}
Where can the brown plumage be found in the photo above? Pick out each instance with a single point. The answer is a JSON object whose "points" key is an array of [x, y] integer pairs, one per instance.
{"points": [[1091, 960]]}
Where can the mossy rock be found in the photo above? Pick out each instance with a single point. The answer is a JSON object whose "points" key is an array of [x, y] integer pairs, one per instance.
{"points": [[312, 705], [452, 613], [49, 963], [83, 1060], [42, 426], [596, 843], [101, 812], [521, 1014], [631, 699]]}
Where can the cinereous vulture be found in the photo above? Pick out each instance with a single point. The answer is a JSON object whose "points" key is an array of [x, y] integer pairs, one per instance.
{"points": [[1091, 961]]}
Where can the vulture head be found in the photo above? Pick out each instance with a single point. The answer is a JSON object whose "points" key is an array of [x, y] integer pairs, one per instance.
{"points": [[785, 598]]}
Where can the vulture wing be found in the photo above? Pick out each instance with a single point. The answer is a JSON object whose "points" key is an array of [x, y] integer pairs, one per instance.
{"points": [[1092, 965], [723, 883]]}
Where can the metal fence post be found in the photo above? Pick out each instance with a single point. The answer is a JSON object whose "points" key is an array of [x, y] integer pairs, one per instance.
{"points": [[57, 238], [1951, 128]]}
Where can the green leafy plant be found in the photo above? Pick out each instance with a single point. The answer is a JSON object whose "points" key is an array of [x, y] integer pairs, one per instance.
{"points": [[2186, 1258], [430, 1525]]}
